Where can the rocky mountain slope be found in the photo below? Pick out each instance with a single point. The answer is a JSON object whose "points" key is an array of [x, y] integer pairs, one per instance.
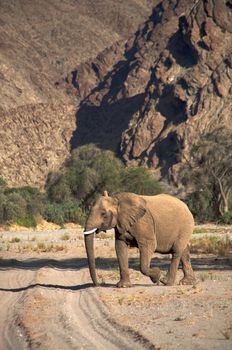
{"points": [[41, 41], [150, 92], [170, 86]]}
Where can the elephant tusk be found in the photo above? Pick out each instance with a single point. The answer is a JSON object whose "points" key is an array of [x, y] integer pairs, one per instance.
{"points": [[90, 231]]}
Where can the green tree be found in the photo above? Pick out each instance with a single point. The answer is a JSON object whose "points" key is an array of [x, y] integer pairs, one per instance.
{"points": [[141, 181], [58, 188], [87, 173], [90, 170], [210, 169], [14, 206]]}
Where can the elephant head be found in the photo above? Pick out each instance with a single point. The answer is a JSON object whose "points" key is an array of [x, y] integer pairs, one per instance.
{"points": [[120, 211]]}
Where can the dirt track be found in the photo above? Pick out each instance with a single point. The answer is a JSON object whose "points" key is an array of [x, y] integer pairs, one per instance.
{"points": [[47, 302], [54, 307]]}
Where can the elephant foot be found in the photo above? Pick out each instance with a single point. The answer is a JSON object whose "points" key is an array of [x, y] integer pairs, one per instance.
{"points": [[124, 284], [156, 282], [188, 280], [166, 281], [97, 284], [155, 277]]}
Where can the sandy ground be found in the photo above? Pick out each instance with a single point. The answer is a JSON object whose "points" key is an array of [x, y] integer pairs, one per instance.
{"points": [[47, 300]]}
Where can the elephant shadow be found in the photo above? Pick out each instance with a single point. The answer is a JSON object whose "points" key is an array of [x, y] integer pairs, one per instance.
{"points": [[104, 264]]}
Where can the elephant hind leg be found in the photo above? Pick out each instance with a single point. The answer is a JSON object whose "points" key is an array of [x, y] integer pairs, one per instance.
{"points": [[145, 261], [189, 277], [169, 279]]}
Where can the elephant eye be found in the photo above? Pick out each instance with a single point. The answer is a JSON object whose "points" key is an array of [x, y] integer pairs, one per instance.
{"points": [[104, 214]]}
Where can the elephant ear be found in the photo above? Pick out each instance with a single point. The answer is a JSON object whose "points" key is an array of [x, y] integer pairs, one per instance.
{"points": [[131, 208]]}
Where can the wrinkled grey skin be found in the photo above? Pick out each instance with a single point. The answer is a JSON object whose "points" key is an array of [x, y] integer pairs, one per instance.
{"points": [[159, 223]]}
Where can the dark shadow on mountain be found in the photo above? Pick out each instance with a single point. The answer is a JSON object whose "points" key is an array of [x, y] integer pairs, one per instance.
{"points": [[103, 125], [168, 151], [180, 47], [155, 18], [171, 106]]}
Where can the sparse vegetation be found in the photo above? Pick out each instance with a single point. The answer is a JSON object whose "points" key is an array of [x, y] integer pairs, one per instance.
{"points": [[215, 229], [20, 205], [65, 237], [27, 221], [208, 174], [105, 235], [50, 247], [15, 240], [87, 173], [203, 276], [60, 213], [227, 332], [180, 318], [212, 245], [226, 218], [90, 171]]}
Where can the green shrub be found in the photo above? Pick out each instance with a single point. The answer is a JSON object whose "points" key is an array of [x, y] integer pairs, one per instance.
{"points": [[20, 205], [52, 213], [61, 213], [14, 207], [89, 171], [73, 212], [226, 218], [201, 205], [3, 200], [58, 189], [27, 221], [31, 195], [15, 240]]}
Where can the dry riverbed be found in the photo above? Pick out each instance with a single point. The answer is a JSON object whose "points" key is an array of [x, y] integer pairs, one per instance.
{"points": [[47, 300]]}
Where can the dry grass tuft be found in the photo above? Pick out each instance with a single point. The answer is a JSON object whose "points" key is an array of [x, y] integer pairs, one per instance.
{"points": [[212, 245], [65, 237], [15, 240], [227, 332], [50, 247], [105, 235]]}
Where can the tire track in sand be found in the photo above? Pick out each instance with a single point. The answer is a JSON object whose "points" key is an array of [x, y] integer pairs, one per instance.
{"points": [[11, 336], [97, 328], [61, 311]]}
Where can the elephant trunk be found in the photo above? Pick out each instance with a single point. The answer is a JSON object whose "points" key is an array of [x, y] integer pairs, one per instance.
{"points": [[90, 255]]}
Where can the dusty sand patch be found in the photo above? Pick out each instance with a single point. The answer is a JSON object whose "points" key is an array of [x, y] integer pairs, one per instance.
{"points": [[47, 301]]}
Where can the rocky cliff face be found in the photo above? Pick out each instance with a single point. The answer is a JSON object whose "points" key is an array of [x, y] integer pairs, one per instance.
{"points": [[148, 98], [40, 41], [189, 91], [35, 139], [171, 86]]}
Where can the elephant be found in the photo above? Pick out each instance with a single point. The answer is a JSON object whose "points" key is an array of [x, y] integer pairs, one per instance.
{"points": [[160, 223]]}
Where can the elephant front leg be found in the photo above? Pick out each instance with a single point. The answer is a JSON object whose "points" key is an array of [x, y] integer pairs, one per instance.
{"points": [[122, 255], [145, 261]]}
